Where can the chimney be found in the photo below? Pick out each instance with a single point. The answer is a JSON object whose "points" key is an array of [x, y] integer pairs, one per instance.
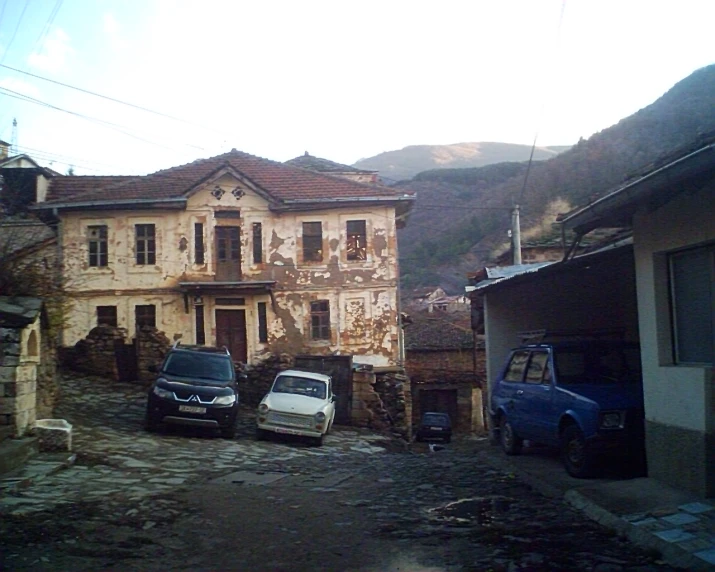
{"points": [[4, 149]]}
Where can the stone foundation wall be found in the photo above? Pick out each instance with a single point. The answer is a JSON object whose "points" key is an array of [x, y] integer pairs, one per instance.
{"points": [[382, 402], [151, 346], [18, 384], [95, 354]]}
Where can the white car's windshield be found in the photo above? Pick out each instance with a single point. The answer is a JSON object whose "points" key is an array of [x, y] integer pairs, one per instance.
{"points": [[300, 386]]}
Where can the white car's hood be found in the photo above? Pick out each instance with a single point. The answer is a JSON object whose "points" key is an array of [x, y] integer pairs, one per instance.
{"points": [[297, 404]]}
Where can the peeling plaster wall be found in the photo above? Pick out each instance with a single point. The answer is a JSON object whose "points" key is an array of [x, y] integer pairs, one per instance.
{"points": [[362, 294]]}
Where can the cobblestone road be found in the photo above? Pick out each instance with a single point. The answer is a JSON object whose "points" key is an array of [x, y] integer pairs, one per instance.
{"points": [[190, 500]]}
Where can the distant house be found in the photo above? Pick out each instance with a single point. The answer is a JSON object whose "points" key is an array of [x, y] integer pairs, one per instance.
{"points": [[328, 167], [656, 288], [22, 181], [445, 367]]}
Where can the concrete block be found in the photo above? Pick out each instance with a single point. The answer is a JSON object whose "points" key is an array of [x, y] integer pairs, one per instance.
{"points": [[8, 373], [54, 434]]}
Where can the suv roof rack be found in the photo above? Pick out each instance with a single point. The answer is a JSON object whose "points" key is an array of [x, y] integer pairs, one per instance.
{"points": [[177, 345], [539, 336]]}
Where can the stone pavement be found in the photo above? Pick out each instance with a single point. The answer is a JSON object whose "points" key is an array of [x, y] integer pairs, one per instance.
{"points": [[113, 455], [677, 524], [422, 496]]}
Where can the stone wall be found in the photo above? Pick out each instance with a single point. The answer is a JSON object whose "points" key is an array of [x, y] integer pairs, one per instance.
{"points": [[18, 383], [151, 346], [96, 354], [260, 376], [382, 402]]}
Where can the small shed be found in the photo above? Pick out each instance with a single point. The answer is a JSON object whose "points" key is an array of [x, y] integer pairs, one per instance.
{"points": [[21, 321]]}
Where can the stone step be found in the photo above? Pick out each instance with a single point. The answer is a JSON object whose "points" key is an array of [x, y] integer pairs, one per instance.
{"points": [[15, 452]]}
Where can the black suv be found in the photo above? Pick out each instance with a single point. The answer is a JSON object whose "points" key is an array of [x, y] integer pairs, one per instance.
{"points": [[196, 386]]}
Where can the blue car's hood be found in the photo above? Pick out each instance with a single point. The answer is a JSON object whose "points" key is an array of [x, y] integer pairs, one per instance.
{"points": [[610, 395]]}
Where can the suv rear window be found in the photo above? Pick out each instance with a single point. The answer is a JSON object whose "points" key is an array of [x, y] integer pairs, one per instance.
{"points": [[199, 365]]}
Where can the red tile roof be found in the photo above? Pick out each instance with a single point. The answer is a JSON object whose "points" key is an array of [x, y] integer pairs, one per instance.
{"points": [[278, 181]]}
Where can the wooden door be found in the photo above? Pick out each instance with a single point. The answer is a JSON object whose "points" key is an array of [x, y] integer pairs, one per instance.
{"points": [[228, 253], [231, 332]]}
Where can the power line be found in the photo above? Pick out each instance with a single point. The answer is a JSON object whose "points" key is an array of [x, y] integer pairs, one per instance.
{"points": [[114, 100], [115, 126], [7, 50], [46, 28]]}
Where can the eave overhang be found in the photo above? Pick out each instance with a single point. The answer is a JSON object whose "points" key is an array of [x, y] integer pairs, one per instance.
{"points": [[206, 288], [122, 204], [649, 192]]}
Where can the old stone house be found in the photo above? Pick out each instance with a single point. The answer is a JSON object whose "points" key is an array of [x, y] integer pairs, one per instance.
{"points": [[265, 258], [446, 365]]}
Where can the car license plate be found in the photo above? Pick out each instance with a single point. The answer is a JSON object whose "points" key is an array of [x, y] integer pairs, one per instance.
{"points": [[436, 428], [288, 431], [192, 409]]}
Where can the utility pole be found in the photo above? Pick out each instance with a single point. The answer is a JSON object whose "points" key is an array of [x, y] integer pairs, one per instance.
{"points": [[13, 138], [516, 235]]}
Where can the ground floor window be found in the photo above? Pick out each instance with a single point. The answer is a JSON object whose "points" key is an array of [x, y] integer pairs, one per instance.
{"points": [[692, 301], [145, 315], [107, 316], [320, 320]]}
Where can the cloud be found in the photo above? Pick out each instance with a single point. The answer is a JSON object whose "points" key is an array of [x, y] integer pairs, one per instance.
{"points": [[53, 53], [19, 86], [113, 33]]}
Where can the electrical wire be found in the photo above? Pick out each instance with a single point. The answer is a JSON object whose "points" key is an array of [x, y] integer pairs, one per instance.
{"points": [[48, 25], [115, 100], [19, 21], [109, 124]]}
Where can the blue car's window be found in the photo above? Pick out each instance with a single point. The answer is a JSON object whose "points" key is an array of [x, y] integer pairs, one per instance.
{"points": [[597, 364], [517, 365], [538, 368], [439, 420]]}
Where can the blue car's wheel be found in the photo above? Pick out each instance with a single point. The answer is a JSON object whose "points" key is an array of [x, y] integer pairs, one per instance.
{"points": [[574, 452], [511, 443]]}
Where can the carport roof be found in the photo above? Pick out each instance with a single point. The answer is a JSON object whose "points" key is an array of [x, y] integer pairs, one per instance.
{"points": [[689, 171], [512, 275]]}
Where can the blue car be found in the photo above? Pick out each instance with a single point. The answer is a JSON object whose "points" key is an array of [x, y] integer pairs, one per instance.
{"points": [[585, 397]]}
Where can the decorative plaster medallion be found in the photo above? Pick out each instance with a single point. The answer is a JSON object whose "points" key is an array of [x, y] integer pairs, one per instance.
{"points": [[218, 192], [238, 193]]}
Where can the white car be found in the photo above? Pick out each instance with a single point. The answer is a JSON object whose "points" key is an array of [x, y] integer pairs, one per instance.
{"points": [[299, 403]]}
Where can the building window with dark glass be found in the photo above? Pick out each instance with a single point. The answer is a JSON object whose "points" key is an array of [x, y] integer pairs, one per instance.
{"points": [[257, 243], [692, 291], [145, 244], [199, 243], [145, 315], [107, 316], [320, 320], [262, 323], [312, 242], [98, 247], [356, 240], [200, 330]]}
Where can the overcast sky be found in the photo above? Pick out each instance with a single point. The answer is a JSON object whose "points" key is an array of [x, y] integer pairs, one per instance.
{"points": [[340, 79]]}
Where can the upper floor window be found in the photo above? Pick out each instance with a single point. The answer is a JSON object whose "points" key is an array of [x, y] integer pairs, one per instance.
{"points": [[262, 323], [320, 320], [357, 240], [692, 290], [312, 242], [98, 246], [257, 243], [198, 243], [145, 246]]}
